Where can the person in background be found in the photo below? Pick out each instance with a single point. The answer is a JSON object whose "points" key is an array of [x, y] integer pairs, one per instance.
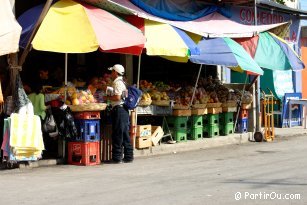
{"points": [[120, 118], [43, 77], [93, 85], [95, 88], [38, 101]]}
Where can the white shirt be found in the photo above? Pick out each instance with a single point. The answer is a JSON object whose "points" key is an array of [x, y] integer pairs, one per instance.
{"points": [[119, 89]]}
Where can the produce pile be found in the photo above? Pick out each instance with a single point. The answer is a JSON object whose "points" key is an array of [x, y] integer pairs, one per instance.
{"points": [[80, 98], [209, 91]]}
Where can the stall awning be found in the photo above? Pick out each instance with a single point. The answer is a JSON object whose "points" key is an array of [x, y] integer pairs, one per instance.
{"points": [[71, 27], [208, 26], [9, 30]]}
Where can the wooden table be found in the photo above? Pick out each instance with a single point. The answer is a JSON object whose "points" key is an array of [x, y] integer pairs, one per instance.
{"points": [[302, 102]]}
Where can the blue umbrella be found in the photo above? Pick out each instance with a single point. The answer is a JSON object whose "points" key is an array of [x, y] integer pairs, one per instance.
{"points": [[27, 21], [227, 52]]}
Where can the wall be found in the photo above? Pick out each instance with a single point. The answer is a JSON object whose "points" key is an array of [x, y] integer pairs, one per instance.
{"points": [[304, 73]]}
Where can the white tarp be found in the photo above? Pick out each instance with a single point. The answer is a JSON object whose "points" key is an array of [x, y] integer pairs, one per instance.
{"points": [[9, 29]]}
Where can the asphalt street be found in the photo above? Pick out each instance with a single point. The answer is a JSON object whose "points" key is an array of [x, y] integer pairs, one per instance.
{"points": [[251, 173]]}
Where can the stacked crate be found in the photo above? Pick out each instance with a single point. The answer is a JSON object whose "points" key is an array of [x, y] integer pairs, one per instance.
{"points": [[211, 125], [226, 123], [84, 149], [242, 123], [143, 136], [195, 125], [178, 126]]}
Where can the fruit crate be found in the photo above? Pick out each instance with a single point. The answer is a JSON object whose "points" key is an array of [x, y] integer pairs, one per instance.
{"points": [[226, 118], [179, 135], [195, 133], [242, 126], [177, 122], [88, 130], [211, 131], [195, 121], [95, 115], [226, 129], [84, 153], [211, 119]]}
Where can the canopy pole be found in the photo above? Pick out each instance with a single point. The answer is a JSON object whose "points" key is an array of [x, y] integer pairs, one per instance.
{"points": [[257, 88], [194, 90], [139, 71], [65, 80]]}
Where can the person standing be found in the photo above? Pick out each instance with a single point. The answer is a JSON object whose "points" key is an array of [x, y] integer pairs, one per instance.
{"points": [[38, 100], [120, 118]]}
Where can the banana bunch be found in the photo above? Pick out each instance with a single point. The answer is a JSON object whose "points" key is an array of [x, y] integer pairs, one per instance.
{"points": [[146, 97]]}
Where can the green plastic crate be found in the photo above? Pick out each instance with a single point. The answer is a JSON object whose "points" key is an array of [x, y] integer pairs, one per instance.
{"points": [[195, 121], [195, 133], [179, 135], [211, 119], [177, 122], [227, 129], [226, 117], [211, 131]]}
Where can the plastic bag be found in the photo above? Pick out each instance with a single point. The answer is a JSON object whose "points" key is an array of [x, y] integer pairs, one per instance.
{"points": [[49, 125]]}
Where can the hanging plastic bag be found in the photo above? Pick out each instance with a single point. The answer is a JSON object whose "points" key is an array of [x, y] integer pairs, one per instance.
{"points": [[49, 124]]}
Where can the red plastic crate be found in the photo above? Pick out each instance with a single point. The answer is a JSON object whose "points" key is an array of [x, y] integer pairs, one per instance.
{"points": [[243, 114], [87, 115], [84, 153]]}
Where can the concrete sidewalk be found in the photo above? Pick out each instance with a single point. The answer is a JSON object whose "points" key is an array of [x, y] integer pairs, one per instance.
{"points": [[215, 142], [280, 134]]}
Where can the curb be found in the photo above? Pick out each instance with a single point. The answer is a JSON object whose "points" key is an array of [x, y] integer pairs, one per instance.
{"points": [[164, 149], [204, 143]]}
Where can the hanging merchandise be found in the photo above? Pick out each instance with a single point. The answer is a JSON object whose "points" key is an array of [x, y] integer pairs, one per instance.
{"points": [[20, 99], [65, 123], [23, 139], [49, 125]]}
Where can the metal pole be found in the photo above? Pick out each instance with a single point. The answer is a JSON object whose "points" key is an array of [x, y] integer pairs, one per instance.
{"points": [[139, 71], [194, 90], [65, 80], [258, 124]]}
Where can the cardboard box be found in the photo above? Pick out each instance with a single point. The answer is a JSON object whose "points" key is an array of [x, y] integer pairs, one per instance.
{"points": [[143, 131], [143, 142], [199, 111], [182, 112], [156, 135]]}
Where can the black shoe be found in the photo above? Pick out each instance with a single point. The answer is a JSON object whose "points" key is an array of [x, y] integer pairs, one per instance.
{"points": [[114, 162], [127, 161]]}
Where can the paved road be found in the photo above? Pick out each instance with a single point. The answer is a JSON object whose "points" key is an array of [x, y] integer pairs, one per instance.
{"points": [[258, 171]]}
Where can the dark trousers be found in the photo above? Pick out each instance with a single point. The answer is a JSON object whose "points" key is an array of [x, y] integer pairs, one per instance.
{"points": [[120, 134]]}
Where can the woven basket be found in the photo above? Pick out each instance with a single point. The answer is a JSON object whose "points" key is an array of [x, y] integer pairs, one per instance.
{"points": [[230, 104], [199, 106], [210, 105], [144, 103], [180, 107], [164, 103], [88, 107]]}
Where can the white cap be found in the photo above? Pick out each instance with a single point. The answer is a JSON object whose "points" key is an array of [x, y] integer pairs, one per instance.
{"points": [[118, 68]]}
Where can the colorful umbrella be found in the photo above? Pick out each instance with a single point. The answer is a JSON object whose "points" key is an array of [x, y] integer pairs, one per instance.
{"points": [[271, 52], [165, 40], [71, 27], [225, 51]]}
